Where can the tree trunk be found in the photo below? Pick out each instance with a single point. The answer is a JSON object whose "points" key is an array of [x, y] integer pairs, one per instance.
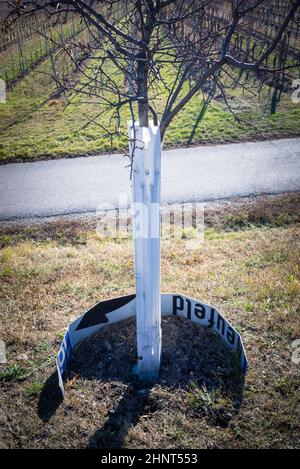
{"points": [[143, 107]]}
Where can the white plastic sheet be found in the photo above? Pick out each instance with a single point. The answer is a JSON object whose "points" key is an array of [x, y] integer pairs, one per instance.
{"points": [[108, 312]]}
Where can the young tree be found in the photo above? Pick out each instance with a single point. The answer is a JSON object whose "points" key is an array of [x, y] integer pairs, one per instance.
{"points": [[199, 42], [153, 56]]}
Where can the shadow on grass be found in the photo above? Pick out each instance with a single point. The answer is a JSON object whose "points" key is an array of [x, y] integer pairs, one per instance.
{"points": [[133, 404], [50, 398], [199, 377], [137, 401]]}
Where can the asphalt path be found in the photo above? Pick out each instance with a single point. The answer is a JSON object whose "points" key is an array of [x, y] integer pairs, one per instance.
{"points": [[72, 186]]}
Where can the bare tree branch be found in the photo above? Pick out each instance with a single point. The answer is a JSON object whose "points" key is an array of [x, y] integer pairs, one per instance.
{"points": [[153, 56]]}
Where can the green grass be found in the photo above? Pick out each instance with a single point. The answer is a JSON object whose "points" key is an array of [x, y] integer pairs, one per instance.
{"points": [[33, 127], [33, 389], [12, 372]]}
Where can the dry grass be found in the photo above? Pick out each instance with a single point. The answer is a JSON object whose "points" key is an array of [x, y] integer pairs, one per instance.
{"points": [[248, 266]]}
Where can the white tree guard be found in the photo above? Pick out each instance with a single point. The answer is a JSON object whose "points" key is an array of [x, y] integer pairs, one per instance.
{"points": [[145, 146]]}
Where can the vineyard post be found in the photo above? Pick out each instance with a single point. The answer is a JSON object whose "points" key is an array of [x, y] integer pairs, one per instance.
{"points": [[21, 58]]}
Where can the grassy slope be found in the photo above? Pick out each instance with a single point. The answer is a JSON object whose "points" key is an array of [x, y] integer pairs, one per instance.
{"points": [[56, 131], [248, 265]]}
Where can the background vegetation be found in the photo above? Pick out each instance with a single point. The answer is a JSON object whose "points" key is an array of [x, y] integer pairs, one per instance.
{"points": [[41, 120]]}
